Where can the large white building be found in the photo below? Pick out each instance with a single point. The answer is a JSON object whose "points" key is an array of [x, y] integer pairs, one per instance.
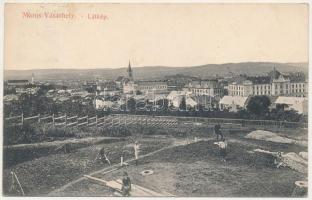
{"points": [[209, 87], [275, 84], [157, 87]]}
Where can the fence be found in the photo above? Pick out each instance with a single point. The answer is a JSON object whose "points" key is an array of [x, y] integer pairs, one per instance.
{"points": [[59, 121], [109, 122], [241, 122], [124, 120]]}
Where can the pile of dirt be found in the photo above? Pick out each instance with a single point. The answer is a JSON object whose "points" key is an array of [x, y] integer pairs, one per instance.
{"points": [[291, 160], [304, 155], [296, 162], [273, 137]]}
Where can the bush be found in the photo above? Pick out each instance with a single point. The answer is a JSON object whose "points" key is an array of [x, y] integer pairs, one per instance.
{"points": [[21, 134]]}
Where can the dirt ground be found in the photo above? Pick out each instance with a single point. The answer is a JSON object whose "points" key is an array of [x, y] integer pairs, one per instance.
{"points": [[42, 175], [197, 170], [184, 170]]}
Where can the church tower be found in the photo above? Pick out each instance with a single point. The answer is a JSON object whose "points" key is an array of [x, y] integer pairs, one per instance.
{"points": [[130, 72], [32, 78]]}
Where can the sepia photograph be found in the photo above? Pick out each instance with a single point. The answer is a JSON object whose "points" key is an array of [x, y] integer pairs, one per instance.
{"points": [[155, 100]]}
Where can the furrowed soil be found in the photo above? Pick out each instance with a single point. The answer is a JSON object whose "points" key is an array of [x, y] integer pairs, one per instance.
{"points": [[42, 175], [197, 170]]}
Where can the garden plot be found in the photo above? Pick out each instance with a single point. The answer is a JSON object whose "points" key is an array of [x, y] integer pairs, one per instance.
{"points": [[42, 175], [197, 170]]}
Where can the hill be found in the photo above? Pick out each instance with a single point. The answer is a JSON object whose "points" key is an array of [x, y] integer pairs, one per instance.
{"points": [[158, 72]]}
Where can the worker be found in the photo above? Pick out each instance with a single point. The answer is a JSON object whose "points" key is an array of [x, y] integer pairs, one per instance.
{"points": [[103, 156], [136, 151], [222, 149], [217, 130], [126, 185], [278, 161]]}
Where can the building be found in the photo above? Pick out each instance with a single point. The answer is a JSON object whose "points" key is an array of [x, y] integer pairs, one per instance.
{"points": [[128, 85], [189, 101], [17, 83], [274, 84], [233, 103], [209, 87], [175, 99], [178, 81], [106, 85], [153, 87], [32, 78], [101, 104], [130, 72], [299, 104], [132, 87]]}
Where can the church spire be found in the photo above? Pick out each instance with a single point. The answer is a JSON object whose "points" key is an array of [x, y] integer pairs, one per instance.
{"points": [[130, 73]]}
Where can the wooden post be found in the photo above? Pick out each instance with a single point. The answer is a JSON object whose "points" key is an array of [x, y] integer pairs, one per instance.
{"points": [[19, 184], [87, 120], [53, 119], [96, 121], [65, 120], [22, 118], [38, 118]]}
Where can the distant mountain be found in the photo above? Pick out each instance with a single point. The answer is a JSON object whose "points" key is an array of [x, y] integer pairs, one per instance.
{"points": [[158, 72]]}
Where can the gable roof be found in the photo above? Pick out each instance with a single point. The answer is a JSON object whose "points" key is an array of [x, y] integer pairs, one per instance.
{"points": [[236, 100], [290, 100]]}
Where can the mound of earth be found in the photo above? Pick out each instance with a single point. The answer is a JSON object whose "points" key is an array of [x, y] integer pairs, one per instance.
{"points": [[273, 137]]}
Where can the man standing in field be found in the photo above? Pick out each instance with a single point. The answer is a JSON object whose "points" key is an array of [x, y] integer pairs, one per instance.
{"points": [[136, 152], [217, 130], [126, 185], [222, 149], [103, 156]]}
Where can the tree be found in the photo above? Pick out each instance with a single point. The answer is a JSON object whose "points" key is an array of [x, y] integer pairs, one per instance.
{"points": [[163, 104], [131, 104], [259, 105], [138, 92], [285, 115], [182, 105]]}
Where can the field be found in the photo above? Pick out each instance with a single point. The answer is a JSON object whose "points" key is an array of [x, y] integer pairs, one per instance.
{"points": [[181, 166]]}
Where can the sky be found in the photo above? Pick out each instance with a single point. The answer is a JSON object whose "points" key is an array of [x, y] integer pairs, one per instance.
{"points": [[176, 35]]}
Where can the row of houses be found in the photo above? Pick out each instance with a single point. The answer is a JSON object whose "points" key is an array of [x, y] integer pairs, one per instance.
{"points": [[274, 84], [230, 103], [236, 103]]}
